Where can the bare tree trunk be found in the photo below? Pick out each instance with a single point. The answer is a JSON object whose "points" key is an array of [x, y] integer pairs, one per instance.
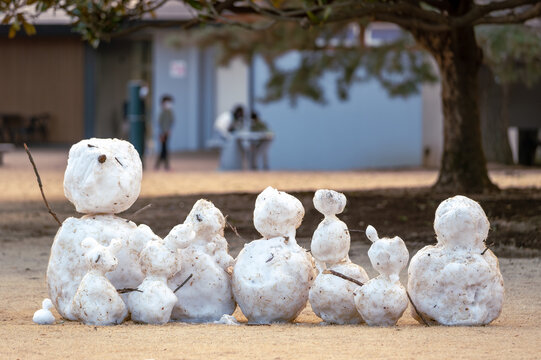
{"points": [[494, 107], [463, 165]]}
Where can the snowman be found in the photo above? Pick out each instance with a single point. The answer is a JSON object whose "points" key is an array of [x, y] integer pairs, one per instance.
{"points": [[96, 301], [153, 301], [332, 297], [272, 276], [208, 295], [458, 280], [102, 178], [382, 300]]}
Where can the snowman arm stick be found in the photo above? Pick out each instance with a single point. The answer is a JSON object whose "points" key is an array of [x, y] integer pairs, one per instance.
{"points": [[183, 283], [41, 185], [345, 277], [415, 308], [127, 290], [148, 206]]}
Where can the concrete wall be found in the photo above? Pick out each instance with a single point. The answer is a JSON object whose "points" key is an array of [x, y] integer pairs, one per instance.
{"points": [[231, 85], [184, 89], [370, 130]]}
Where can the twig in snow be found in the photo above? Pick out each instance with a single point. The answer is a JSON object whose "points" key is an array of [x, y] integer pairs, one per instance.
{"points": [[183, 283], [127, 290], [41, 185], [345, 277]]}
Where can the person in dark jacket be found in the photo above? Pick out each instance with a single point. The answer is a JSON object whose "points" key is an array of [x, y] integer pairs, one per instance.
{"points": [[165, 123]]}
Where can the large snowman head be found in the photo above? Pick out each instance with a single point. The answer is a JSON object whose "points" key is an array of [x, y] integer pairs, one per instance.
{"points": [[460, 221], [277, 213], [103, 176]]}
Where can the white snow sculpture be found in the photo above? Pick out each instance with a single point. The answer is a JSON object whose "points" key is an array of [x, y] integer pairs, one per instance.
{"points": [[457, 281], [44, 316], [272, 276], [332, 297], [208, 295], [103, 177], [153, 300], [383, 300], [96, 301]]}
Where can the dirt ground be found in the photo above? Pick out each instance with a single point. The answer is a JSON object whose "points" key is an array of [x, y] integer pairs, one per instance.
{"points": [[405, 209]]}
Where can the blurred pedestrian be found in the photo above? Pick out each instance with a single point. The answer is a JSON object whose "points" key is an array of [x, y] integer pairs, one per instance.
{"points": [[165, 123]]}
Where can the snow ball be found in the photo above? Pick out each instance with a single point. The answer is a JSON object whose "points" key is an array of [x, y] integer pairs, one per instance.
{"points": [[103, 176]]}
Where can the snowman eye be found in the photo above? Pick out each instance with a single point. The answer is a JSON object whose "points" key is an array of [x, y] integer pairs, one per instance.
{"points": [[102, 158]]}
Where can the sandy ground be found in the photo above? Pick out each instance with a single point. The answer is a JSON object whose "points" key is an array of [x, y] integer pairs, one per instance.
{"points": [[195, 174], [515, 335]]}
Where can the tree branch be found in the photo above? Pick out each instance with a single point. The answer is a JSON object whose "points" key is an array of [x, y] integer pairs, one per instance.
{"points": [[480, 11], [513, 17]]}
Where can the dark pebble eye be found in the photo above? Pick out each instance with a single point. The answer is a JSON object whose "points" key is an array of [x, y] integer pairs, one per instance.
{"points": [[102, 159]]}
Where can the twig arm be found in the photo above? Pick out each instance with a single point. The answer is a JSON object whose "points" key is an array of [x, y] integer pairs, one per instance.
{"points": [[41, 185]]}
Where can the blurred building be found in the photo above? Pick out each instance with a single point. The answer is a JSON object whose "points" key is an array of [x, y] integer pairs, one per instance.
{"points": [[68, 90]]}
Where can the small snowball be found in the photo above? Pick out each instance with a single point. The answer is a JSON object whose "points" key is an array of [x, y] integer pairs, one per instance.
{"points": [[208, 294], [272, 276], [331, 297], [154, 300], [382, 300], [277, 213], [44, 316], [456, 282], [329, 202], [227, 320], [103, 176], [96, 301]]}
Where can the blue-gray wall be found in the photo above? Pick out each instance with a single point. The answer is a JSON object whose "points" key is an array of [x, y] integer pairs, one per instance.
{"points": [[193, 94], [370, 130]]}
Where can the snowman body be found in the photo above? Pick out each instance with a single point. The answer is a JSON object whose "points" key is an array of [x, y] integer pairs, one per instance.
{"points": [[457, 281], [272, 276], [382, 300], [96, 301], [331, 297], [103, 177], [153, 301], [208, 294]]}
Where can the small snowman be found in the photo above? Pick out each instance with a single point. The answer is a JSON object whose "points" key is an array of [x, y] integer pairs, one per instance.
{"points": [[457, 281], [44, 316], [96, 301], [208, 296], [102, 178], [332, 297], [383, 300], [153, 300], [272, 276]]}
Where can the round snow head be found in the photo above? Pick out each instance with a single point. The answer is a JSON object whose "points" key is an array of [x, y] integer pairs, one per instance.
{"points": [[462, 222], [103, 176], [277, 213], [389, 256], [158, 260], [101, 257], [206, 218], [329, 202]]}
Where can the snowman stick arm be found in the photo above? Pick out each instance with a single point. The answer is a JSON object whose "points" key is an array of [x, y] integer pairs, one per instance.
{"points": [[183, 283], [345, 277], [41, 185]]}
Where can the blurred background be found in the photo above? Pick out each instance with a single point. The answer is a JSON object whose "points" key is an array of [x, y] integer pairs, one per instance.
{"points": [[56, 89]]}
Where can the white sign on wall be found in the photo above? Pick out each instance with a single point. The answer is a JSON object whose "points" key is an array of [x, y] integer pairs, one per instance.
{"points": [[177, 69]]}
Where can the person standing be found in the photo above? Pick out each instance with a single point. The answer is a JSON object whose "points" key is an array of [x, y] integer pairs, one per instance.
{"points": [[165, 123]]}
